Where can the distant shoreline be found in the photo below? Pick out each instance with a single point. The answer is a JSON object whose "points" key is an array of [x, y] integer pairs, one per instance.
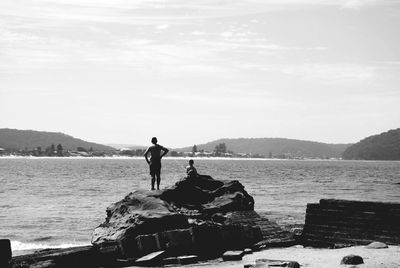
{"points": [[188, 157]]}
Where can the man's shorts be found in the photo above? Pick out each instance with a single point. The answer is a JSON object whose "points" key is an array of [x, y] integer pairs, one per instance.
{"points": [[155, 168]]}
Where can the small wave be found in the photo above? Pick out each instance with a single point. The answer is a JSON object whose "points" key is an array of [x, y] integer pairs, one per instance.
{"points": [[17, 245], [44, 238]]}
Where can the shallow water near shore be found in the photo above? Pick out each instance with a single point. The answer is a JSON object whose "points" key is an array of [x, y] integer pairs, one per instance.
{"points": [[57, 202]]}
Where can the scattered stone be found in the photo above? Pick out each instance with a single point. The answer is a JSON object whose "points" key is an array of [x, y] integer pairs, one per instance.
{"points": [[352, 259], [233, 255], [189, 259], [276, 263], [248, 251], [150, 259], [377, 245], [293, 264], [249, 265]]}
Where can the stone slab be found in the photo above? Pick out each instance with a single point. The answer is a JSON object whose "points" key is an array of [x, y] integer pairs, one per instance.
{"points": [[188, 259], [150, 259], [233, 255]]}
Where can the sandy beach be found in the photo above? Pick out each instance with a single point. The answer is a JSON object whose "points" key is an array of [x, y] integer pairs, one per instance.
{"points": [[317, 258]]}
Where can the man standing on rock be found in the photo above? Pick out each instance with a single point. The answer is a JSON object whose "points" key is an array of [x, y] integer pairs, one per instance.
{"points": [[155, 161]]}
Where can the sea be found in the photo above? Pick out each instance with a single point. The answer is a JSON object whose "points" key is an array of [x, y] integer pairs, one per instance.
{"points": [[58, 202]]}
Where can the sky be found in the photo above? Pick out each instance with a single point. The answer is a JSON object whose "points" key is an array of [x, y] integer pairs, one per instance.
{"points": [[189, 72]]}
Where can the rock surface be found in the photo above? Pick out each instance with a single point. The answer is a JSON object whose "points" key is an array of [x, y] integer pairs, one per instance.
{"points": [[191, 202], [376, 245]]}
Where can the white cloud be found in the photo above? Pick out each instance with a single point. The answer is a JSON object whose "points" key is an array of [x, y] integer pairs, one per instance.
{"points": [[332, 73], [162, 27], [198, 33]]}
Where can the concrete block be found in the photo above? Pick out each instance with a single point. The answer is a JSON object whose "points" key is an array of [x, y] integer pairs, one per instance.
{"points": [[233, 255]]}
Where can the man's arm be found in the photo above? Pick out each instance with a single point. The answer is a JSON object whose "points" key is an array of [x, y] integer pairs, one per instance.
{"points": [[165, 151], [146, 153]]}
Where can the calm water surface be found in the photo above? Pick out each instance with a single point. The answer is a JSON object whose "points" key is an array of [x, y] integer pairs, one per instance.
{"points": [[59, 201]]}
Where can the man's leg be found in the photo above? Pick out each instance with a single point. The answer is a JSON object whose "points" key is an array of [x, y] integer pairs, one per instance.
{"points": [[153, 179], [158, 181]]}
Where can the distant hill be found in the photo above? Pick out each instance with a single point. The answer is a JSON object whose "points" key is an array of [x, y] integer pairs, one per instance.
{"points": [[276, 146], [385, 146], [20, 139]]}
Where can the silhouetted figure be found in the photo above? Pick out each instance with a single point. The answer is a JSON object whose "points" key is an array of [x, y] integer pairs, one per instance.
{"points": [[191, 170], [157, 152]]}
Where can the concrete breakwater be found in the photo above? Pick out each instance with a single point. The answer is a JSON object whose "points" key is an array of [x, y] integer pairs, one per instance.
{"points": [[338, 223]]}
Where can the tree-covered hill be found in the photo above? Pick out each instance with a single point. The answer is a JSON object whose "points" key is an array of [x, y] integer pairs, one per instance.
{"points": [[14, 139], [276, 147], [385, 146]]}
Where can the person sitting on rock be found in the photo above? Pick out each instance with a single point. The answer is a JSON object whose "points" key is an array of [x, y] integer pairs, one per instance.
{"points": [[191, 170]]}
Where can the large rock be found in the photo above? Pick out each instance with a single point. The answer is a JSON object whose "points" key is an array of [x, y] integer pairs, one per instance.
{"points": [[352, 259], [195, 200]]}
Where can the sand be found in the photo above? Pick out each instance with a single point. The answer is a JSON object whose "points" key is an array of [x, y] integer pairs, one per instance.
{"points": [[318, 258]]}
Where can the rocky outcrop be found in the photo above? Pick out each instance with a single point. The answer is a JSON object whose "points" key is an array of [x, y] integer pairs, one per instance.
{"points": [[180, 216], [196, 218]]}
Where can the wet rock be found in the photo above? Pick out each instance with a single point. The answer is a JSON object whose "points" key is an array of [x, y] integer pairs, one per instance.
{"points": [[377, 245], [352, 259]]}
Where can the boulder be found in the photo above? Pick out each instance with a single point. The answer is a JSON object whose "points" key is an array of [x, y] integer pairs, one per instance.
{"points": [[352, 259], [377, 245], [195, 200]]}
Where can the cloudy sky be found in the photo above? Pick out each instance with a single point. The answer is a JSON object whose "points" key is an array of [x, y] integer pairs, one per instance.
{"points": [[189, 72]]}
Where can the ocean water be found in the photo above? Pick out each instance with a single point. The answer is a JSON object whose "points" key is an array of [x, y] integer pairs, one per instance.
{"points": [[57, 202]]}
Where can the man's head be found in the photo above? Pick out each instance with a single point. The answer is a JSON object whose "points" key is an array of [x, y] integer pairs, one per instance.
{"points": [[191, 162], [154, 140]]}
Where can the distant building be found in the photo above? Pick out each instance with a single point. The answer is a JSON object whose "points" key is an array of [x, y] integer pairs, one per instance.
{"points": [[2, 151]]}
